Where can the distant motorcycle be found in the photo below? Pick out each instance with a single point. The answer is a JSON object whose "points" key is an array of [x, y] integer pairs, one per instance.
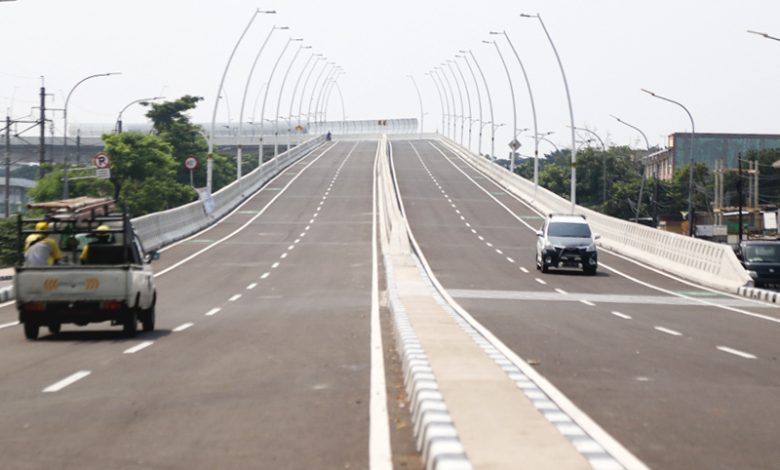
{"points": [[328, 136]]}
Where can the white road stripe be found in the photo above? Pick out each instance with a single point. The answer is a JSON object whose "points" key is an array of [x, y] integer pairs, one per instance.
{"points": [[588, 303], [473, 231], [297, 240], [499, 251], [69, 380], [251, 286], [234, 298], [510, 260], [541, 281], [667, 331], [275, 265], [213, 312], [8, 325], [736, 352], [138, 347], [182, 327], [265, 275], [561, 291], [291, 247], [315, 216], [523, 270], [307, 228], [311, 221], [462, 218], [457, 211], [284, 255], [481, 238], [489, 244], [621, 315]]}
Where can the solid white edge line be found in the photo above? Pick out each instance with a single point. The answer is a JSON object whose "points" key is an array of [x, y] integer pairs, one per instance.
{"points": [[7, 304], [8, 325], [667, 331], [138, 347], [182, 327], [736, 352], [69, 380], [213, 312], [613, 447], [379, 452], [245, 225]]}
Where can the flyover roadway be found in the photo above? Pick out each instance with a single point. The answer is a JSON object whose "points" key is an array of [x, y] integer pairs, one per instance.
{"points": [[682, 376], [261, 357]]}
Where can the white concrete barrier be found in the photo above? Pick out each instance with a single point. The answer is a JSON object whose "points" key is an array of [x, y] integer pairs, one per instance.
{"points": [[707, 263]]}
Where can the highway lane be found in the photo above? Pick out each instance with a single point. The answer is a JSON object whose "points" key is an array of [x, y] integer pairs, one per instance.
{"points": [[260, 358], [670, 381]]}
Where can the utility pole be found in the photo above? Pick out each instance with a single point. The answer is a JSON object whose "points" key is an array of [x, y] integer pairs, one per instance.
{"points": [[42, 141], [739, 194], [7, 166], [78, 147]]}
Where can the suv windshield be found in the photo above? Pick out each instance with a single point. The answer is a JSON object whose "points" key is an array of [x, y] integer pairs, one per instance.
{"points": [[762, 253], [568, 229]]}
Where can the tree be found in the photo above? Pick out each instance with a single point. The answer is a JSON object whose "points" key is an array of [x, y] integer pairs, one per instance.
{"points": [[185, 138]]}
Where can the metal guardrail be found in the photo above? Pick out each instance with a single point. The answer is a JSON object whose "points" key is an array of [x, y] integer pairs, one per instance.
{"points": [[707, 263]]}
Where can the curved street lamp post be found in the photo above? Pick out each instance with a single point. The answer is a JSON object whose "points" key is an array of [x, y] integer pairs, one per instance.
{"points": [[65, 185], [281, 92], [468, 96], [571, 113], [419, 98], [490, 102], [292, 99], [479, 101], [644, 166], [448, 64], [514, 108], [441, 99], [690, 157]]}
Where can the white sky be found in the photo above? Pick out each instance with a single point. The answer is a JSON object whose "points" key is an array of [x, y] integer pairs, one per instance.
{"points": [[693, 51]]}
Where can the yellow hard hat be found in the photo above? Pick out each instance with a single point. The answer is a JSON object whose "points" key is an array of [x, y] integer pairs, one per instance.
{"points": [[42, 226], [103, 228]]}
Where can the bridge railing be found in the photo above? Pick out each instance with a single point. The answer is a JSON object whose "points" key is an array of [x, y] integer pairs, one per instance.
{"points": [[705, 262], [161, 228]]}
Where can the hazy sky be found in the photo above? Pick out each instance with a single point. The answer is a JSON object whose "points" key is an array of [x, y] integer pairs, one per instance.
{"points": [[695, 52]]}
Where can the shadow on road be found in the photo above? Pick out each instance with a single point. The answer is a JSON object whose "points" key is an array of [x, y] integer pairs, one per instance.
{"points": [[102, 335]]}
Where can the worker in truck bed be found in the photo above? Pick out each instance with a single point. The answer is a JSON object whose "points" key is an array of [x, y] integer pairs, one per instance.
{"points": [[40, 249], [102, 236]]}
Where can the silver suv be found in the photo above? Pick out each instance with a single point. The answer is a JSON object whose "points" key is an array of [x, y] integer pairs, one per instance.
{"points": [[566, 241]]}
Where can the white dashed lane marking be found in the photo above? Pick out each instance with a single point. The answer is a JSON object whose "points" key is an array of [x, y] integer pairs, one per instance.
{"points": [[8, 325], [541, 281], [251, 286], [667, 331], [213, 312], [234, 298], [561, 291], [69, 380], [138, 347], [182, 327], [275, 265], [736, 352], [265, 275], [284, 255], [523, 270]]}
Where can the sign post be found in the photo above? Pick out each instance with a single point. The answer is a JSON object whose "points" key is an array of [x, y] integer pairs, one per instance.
{"points": [[102, 164], [191, 163]]}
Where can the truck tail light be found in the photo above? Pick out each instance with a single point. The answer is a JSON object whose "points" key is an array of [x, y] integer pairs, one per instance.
{"points": [[34, 306], [110, 305]]}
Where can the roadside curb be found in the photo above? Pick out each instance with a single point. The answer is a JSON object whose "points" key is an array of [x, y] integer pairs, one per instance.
{"points": [[6, 294], [759, 294], [436, 437]]}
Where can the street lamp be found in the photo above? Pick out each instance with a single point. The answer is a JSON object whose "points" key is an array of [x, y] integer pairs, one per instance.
{"points": [[65, 194], [321, 94], [295, 92], [281, 92], [533, 109], [544, 137], [239, 135], [603, 162], [210, 158], [514, 107], [468, 97], [141, 100], [479, 102], [765, 35], [460, 98], [334, 85], [441, 100], [690, 158], [419, 98], [490, 102], [314, 90], [265, 98], [449, 99], [571, 113], [644, 166], [303, 90]]}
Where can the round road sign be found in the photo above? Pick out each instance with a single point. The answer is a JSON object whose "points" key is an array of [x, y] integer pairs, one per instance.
{"points": [[102, 161], [190, 163]]}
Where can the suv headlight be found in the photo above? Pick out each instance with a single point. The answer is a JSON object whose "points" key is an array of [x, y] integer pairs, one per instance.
{"points": [[752, 274], [591, 247]]}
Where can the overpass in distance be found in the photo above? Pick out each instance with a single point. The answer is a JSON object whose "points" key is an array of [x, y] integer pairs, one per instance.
{"points": [[375, 305]]}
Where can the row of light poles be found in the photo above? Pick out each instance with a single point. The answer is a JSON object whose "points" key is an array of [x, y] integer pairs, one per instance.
{"points": [[318, 97]]}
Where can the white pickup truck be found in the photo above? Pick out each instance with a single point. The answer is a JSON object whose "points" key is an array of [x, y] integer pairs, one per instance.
{"points": [[113, 281]]}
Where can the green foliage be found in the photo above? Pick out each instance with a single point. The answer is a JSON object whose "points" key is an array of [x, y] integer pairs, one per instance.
{"points": [[7, 242], [49, 188], [145, 172]]}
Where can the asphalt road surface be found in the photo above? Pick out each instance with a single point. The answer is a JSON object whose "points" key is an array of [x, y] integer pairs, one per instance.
{"points": [[682, 376], [261, 354]]}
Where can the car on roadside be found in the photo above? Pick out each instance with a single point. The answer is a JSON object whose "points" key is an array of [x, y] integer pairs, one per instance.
{"points": [[761, 259], [566, 241]]}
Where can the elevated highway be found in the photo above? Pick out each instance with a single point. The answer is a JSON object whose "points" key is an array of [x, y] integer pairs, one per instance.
{"points": [[273, 349]]}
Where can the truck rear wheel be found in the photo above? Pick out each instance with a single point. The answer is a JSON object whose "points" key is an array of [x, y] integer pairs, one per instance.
{"points": [[54, 328], [130, 326], [31, 330], [147, 319]]}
